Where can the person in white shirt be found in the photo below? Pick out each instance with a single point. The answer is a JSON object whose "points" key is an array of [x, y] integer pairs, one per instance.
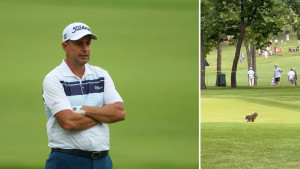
{"points": [[80, 100], [251, 77], [291, 77], [276, 41], [277, 75]]}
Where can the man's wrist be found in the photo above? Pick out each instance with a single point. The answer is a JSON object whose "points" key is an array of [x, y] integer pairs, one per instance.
{"points": [[77, 109]]}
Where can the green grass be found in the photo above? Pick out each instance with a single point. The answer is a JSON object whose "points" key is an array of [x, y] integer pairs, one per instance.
{"points": [[150, 48], [274, 105], [271, 142], [248, 146]]}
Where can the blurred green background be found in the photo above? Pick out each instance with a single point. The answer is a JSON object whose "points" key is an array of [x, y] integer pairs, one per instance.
{"points": [[149, 47]]}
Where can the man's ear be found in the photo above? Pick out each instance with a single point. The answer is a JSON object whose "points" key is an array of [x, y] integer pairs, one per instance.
{"points": [[64, 46]]}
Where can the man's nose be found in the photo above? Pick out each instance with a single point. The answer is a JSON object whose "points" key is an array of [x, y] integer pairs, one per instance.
{"points": [[85, 47]]}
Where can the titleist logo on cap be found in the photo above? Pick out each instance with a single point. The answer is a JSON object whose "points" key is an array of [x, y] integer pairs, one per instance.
{"points": [[80, 27]]}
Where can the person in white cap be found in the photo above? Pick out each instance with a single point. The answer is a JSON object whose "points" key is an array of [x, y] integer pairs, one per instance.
{"points": [[251, 77], [80, 100]]}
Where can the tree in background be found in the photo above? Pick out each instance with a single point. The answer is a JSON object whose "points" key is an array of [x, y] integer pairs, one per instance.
{"points": [[263, 28], [293, 18], [215, 26], [248, 11], [237, 16], [260, 32], [208, 36]]}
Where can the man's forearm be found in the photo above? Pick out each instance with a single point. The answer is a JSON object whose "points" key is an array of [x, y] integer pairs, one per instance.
{"points": [[74, 121], [107, 114], [84, 122]]}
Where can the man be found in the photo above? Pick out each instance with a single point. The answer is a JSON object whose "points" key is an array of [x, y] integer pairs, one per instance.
{"points": [[277, 74], [276, 42], [291, 77], [80, 100], [242, 57], [251, 77]]}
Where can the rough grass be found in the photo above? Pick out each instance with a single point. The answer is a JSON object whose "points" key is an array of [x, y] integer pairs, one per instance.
{"points": [[249, 145], [270, 142]]}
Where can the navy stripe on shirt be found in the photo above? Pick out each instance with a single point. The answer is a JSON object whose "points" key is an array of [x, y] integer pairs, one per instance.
{"points": [[86, 87]]}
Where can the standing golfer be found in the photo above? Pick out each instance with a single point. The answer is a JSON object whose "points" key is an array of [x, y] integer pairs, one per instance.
{"points": [[80, 100]]}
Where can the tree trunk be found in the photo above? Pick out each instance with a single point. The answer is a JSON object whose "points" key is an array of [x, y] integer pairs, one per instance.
{"points": [[237, 55], [248, 54], [219, 61], [202, 66], [253, 56]]}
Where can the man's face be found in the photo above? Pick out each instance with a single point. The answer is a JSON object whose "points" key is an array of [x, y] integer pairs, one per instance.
{"points": [[78, 52]]}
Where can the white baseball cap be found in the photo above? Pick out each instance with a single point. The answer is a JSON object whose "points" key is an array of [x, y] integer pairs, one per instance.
{"points": [[77, 30]]}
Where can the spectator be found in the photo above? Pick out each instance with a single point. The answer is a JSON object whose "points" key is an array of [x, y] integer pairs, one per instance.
{"points": [[251, 77], [275, 49], [276, 42], [266, 54], [268, 48], [277, 74], [242, 57], [291, 77]]}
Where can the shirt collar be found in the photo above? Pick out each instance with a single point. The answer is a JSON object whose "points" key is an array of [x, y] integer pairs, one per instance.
{"points": [[66, 71]]}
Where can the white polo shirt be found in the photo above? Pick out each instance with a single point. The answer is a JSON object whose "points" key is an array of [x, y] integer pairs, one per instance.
{"points": [[291, 75], [277, 72], [62, 89], [251, 74]]}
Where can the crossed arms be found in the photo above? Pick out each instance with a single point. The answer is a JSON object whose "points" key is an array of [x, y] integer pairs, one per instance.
{"points": [[111, 113]]}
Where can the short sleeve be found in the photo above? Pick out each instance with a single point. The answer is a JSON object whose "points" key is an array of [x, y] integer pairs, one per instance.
{"points": [[110, 93], [54, 95]]}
